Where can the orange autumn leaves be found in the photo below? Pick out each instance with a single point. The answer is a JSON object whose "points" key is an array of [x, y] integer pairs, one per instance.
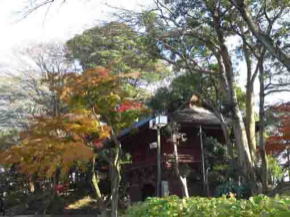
{"points": [[97, 104], [54, 143]]}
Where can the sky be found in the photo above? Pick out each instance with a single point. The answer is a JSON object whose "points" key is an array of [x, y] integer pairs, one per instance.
{"points": [[59, 22]]}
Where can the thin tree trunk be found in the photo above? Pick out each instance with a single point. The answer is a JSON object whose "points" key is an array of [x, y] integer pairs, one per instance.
{"points": [[158, 184], [204, 175], [95, 180], [183, 180], [262, 129], [288, 163], [115, 184], [115, 176]]}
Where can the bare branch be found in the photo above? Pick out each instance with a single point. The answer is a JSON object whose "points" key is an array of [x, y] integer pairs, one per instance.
{"points": [[276, 91], [37, 4]]}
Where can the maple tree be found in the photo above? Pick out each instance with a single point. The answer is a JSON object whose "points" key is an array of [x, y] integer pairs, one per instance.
{"points": [[101, 92], [280, 140], [98, 107], [53, 143], [278, 144]]}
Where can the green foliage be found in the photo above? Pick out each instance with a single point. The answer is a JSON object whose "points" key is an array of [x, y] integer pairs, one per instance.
{"points": [[275, 170], [258, 206], [241, 191], [8, 138], [217, 161], [177, 94], [183, 86], [241, 95], [118, 47]]}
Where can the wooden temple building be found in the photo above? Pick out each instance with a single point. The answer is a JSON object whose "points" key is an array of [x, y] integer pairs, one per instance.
{"points": [[139, 142]]}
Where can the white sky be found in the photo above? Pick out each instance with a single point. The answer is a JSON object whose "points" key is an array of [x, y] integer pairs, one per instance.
{"points": [[60, 22]]}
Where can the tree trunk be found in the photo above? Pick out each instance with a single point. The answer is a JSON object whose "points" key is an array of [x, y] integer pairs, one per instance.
{"points": [[250, 114], [262, 129], [204, 173], [115, 176], [183, 180], [158, 184], [243, 149], [95, 180], [241, 140], [115, 184], [288, 162], [251, 122]]}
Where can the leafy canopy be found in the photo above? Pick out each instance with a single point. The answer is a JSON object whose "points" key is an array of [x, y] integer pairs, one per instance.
{"points": [[118, 47]]}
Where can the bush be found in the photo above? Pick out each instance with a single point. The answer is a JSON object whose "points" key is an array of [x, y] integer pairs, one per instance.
{"points": [[258, 206], [241, 191]]}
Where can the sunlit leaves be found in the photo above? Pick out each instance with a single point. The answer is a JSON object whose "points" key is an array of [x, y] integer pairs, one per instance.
{"points": [[55, 143], [257, 206], [103, 93]]}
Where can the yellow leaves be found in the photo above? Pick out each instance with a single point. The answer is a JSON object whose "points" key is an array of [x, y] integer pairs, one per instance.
{"points": [[54, 143]]}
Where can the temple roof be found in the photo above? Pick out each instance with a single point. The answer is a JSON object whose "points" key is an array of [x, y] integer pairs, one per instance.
{"points": [[195, 115]]}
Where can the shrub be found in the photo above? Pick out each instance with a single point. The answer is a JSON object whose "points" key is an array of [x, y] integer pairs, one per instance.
{"points": [[258, 206], [241, 191]]}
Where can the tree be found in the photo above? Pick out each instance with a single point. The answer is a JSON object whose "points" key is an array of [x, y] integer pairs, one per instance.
{"points": [[192, 36], [272, 75], [102, 93], [269, 14], [176, 139], [31, 90], [20, 101], [98, 109], [118, 47], [53, 144], [278, 143], [177, 94]]}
